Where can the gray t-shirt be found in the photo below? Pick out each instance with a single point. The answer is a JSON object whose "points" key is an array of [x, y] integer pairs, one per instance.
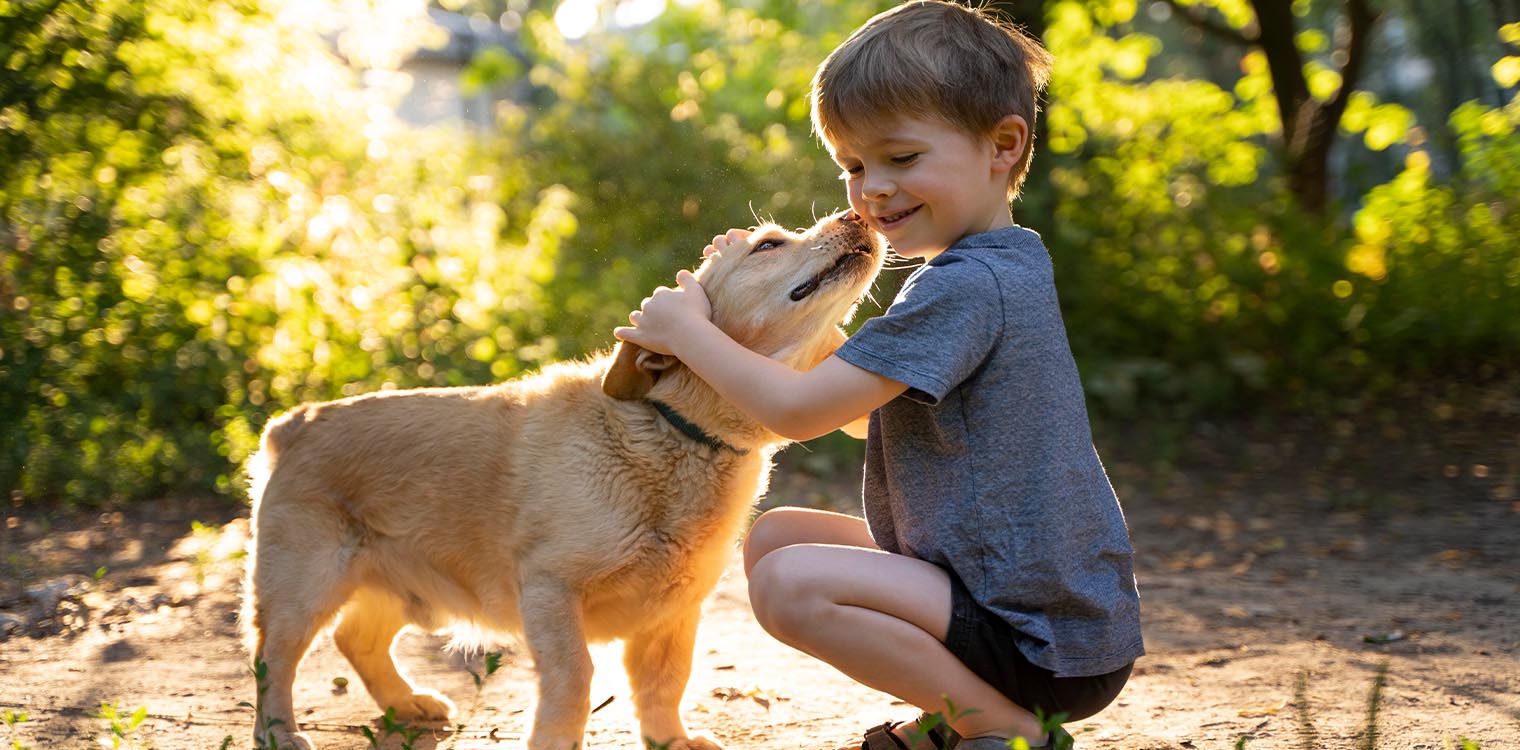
{"points": [[986, 465]]}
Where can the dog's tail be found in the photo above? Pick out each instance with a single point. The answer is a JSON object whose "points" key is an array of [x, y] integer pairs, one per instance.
{"points": [[278, 436]]}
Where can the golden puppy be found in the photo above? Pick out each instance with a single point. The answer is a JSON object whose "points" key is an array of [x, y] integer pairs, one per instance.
{"points": [[591, 501]]}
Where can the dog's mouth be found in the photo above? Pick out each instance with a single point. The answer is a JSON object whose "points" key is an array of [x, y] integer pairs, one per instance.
{"points": [[854, 257]]}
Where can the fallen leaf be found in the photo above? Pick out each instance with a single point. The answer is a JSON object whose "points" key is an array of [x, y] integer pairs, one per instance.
{"points": [[1256, 713], [1390, 637]]}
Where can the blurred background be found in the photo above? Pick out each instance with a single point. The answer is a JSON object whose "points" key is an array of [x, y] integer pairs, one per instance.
{"points": [[1268, 218]]}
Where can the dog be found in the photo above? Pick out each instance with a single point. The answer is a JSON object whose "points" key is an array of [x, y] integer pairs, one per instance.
{"points": [[591, 501]]}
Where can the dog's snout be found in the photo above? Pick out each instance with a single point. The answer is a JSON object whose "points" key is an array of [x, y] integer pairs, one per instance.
{"points": [[851, 216]]}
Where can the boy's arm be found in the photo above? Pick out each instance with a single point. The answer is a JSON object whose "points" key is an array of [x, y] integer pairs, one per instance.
{"points": [[796, 405]]}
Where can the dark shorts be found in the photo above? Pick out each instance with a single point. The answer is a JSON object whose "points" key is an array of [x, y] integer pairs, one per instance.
{"points": [[985, 643]]}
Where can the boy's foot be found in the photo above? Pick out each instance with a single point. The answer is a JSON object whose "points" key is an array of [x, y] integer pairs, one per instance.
{"points": [[927, 734], [1057, 739], [917, 734]]}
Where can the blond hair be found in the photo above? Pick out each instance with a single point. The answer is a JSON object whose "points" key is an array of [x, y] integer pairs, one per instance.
{"points": [[931, 59]]}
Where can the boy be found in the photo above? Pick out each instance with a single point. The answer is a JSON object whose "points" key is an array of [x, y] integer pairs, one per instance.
{"points": [[993, 570]]}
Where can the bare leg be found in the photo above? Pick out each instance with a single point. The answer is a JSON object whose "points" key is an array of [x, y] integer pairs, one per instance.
{"points": [[783, 527], [881, 619]]}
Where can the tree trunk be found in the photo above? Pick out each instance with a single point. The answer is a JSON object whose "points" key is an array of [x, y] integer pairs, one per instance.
{"points": [[1505, 11]]}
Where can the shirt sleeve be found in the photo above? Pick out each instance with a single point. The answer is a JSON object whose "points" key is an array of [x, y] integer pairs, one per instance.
{"points": [[941, 327]]}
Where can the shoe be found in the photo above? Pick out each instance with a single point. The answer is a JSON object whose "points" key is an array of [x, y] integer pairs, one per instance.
{"points": [[881, 736], [1059, 739]]}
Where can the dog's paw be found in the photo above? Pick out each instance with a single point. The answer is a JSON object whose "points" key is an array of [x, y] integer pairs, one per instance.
{"points": [[692, 743], [284, 739], [424, 706]]}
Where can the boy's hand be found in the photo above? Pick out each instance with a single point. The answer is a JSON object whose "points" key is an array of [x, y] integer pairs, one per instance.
{"points": [[666, 316], [722, 241]]}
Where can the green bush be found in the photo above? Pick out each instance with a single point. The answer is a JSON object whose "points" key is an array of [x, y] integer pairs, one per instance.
{"points": [[203, 239], [206, 217], [1190, 281]]}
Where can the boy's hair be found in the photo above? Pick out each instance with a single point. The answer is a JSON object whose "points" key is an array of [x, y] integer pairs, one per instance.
{"points": [[935, 60]]}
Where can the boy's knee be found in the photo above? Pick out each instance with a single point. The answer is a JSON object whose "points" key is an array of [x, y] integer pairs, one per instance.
{"points": [[783, 595], [764, 537]]}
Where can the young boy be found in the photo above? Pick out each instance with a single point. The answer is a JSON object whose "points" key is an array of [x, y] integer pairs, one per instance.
{"points": [[992, 571]]}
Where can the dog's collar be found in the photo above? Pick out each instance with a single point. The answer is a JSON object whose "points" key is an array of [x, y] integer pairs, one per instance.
{"points": [[692, 431]]}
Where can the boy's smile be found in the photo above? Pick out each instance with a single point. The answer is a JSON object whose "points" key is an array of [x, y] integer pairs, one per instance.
{"points": [[925, 184]]}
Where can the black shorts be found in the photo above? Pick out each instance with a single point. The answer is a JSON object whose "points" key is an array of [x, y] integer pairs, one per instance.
{"points": [[985, 643]]}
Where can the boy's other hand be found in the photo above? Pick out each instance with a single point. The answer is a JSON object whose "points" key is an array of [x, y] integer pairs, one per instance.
{"points": [[666, 315], [722, 241]]}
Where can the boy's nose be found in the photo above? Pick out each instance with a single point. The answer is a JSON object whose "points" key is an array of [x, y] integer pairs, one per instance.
{"points": [[877, 188]]}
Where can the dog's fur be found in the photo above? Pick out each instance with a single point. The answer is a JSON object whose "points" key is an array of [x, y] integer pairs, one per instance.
{"points": [[560, 506]]}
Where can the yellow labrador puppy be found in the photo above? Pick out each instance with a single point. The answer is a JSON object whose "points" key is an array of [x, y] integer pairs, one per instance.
{"points": [[592, 501]]}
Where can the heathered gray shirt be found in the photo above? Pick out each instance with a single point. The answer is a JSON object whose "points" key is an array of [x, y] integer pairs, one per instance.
{"points": [[986, 465]]}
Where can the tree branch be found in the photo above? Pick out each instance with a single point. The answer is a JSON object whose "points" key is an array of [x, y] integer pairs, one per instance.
{"points": [[1199, 19], [1361, 17]]}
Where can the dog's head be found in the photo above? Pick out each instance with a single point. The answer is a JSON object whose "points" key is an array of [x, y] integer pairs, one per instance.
{"points": [[778, 293]]}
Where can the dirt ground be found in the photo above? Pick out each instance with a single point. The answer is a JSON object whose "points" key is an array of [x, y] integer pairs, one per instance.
{"points": [[1353, 587]]}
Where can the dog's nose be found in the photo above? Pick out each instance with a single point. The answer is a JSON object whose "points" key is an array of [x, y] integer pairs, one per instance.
{"points": [[850, 216]]}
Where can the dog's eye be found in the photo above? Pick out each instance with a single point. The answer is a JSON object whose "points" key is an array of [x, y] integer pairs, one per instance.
{"points": [[764, 245]]}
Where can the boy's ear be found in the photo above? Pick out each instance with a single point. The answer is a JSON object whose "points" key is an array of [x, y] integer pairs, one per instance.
{"points": [[1010, 138]]}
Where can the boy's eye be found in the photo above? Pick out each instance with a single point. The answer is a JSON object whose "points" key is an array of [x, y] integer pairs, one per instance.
{"points": [[764, 245], [851, 172], [904, 159]]}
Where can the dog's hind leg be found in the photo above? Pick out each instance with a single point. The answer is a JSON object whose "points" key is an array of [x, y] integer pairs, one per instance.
{"points": [[366, 632], [658, 660], [297, 580], [554, 633]]}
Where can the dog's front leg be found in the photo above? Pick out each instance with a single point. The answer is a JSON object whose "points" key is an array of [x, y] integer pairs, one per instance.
{"points": [[658, 660], [552, 628]]}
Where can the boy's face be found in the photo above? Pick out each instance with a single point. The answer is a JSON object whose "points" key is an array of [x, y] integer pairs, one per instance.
{"points": [[924, 184]]}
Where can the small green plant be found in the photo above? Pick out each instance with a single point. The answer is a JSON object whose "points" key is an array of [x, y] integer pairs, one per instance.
{"points": [[1060, 739], [390, 726], [1307, 737], [207, 554], [263, 739], [1374, 703], [120, 728], [492, 663], [12, 721], [923, 730]]}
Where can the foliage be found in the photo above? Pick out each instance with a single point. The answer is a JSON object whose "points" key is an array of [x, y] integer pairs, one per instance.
{"points": [[201, 238], [670, 133], [13, 720], [1190, 282], [209, 214], [120, 728]]}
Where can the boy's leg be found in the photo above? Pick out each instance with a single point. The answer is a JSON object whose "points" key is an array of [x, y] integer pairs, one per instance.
{"points": [[782, 527], [881, 619]]}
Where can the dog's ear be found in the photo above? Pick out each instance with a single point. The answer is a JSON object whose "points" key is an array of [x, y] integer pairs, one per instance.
{"points": [[634, 371], [833, 339], [836, 340]]}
